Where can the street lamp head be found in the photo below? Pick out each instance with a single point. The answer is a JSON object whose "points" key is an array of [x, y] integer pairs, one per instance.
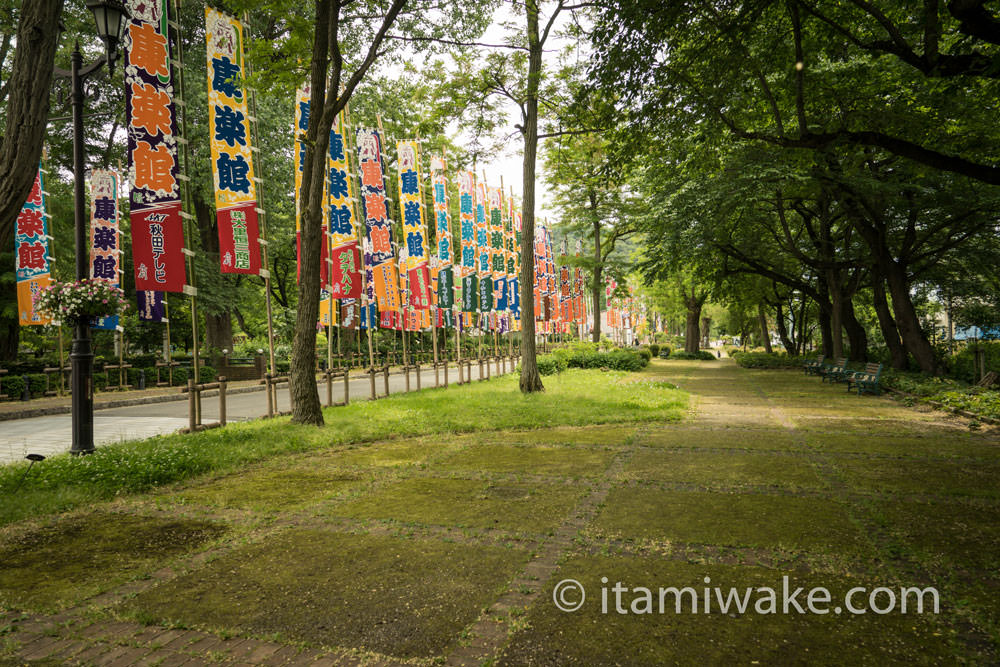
{"points": [[110, 17]]}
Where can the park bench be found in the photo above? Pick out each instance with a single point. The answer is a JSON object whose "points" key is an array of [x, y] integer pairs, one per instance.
{"points": [[812, 366], [833, 371], [866, 380]]}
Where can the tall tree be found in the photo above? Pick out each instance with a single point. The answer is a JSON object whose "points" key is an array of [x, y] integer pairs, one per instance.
{"points": [[27, 106]]}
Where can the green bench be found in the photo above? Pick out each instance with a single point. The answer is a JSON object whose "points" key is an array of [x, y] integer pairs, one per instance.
{"points": [[832, 372], [812, 366], [866, 380]]}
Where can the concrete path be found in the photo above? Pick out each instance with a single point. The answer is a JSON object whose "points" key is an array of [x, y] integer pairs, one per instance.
{"points": [[51, 434]]}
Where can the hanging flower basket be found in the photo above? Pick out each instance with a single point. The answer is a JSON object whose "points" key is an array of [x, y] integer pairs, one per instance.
{"points": [[82, 301]]}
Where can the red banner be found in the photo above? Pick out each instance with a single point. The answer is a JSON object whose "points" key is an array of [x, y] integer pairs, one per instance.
{"points": [[157, 240], [419, 280], [239, 231], [347, 281]]}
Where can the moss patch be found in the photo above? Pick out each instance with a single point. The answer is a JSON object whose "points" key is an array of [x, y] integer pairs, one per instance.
{"points": [[527, 508], [731, 469], [944, 446], [388, 454], [588, 636], [69, 560], [270, 489], [915, 425], [400, 597], [739, 520], [722, 438], [922, 477], [595, 435], [541, 460]]}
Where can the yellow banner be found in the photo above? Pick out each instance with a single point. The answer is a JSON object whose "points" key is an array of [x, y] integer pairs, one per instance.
{"points": [[228, 118]]}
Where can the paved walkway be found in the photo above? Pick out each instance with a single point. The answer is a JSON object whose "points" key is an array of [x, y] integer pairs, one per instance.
{"points": [[51, 434], [448, 550]]}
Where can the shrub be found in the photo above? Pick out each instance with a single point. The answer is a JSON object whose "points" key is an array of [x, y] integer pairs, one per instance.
{"points": [[13, 386], [664, 352], [765, 360], [700, 355], [645, 354], [550, 364], [963, 364], [654, 349], [180, 376], [206, 374]]}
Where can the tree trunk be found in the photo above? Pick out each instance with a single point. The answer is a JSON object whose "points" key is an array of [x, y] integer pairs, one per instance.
{"points": [[826, 331], [10, 329], [888, 325], [692, 332], [782, 326], [855, 332], [596, 291], [764, 334], [219, 332], [907, 321], [27, 108], [530, 381], [218, 325], [836, 313]]}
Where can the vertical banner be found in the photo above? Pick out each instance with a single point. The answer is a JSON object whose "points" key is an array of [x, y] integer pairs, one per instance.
{"points": [[31, 254], [482, 233], [483, 251], [301, 127], [411, 204], [150, 306], [497, 259], [105, 244], [349, 313], [470, 294], [442, 233], [345, 280], [151, 123], [467, 218], [378, 229], [229, 137]]}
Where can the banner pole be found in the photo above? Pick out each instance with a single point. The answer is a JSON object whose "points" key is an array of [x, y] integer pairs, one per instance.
{"points": [[364, 272], [266, 272], [186, 206]]}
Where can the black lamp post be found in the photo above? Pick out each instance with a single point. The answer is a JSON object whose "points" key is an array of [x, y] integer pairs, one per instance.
{"points": [[110, 17]]}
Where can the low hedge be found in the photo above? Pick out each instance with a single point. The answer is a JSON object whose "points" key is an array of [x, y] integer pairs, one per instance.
{"points": [[765, 360], [700, 355], [586, 357]]}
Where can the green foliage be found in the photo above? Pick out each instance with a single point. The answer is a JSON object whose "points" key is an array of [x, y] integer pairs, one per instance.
{"points": [[700, 355], [962, 365], [550, 364], [765, 360], [978, 401], [654, 349], [586, 355]]}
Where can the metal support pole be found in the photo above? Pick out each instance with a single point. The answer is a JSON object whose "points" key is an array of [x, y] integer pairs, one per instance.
{"points": [[192, 399], [81, 351], [222, 400]]}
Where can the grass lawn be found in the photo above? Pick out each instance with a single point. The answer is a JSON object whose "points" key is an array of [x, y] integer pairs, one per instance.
{"points": [[436, 527]]}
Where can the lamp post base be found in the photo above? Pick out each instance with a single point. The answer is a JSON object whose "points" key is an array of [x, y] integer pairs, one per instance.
{"points": [[82, 361]]}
